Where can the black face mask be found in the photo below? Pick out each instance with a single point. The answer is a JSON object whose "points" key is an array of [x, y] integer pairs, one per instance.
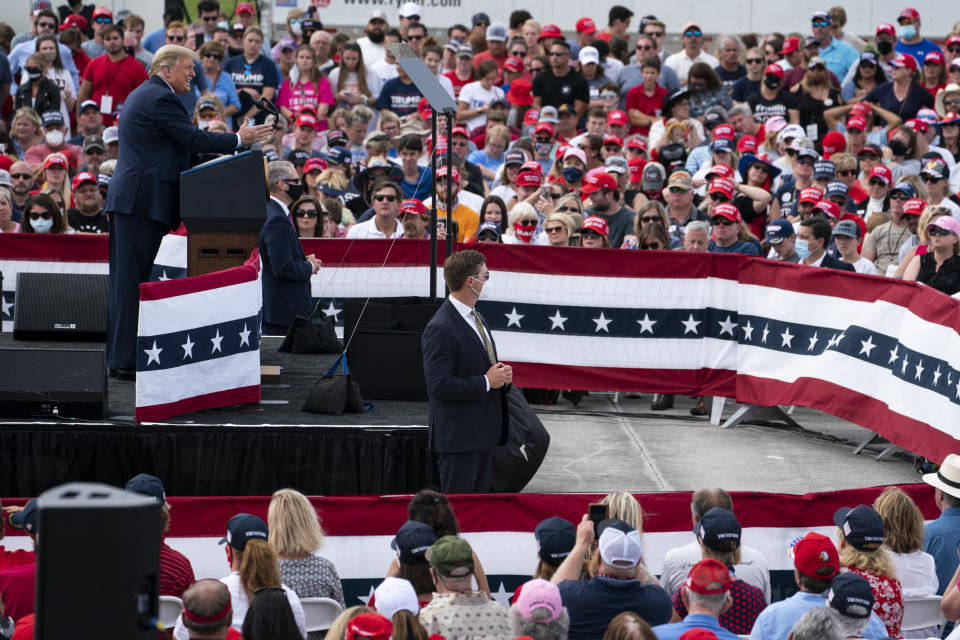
{"points": [[376, 36], [884, 47], [34, 74], [294, 191], [898, 148], [772, 82]]}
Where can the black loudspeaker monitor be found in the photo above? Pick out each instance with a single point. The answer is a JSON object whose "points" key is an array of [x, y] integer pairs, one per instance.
{"points": [[61, 306], [98, 563], [46, 381]]}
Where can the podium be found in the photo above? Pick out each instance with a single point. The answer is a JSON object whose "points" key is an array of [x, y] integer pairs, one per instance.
{"points": [[223, 205]]}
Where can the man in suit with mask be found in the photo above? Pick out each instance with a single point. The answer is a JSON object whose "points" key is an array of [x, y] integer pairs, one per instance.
{"points": [[466, 384], [285, 270], [156, 140]]}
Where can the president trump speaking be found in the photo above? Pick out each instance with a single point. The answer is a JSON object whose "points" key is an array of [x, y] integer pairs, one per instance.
{"points": [[156, 140]]}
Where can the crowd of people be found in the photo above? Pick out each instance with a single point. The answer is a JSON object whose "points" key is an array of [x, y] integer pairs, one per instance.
{"points": [[811, 146], [589, 580]]}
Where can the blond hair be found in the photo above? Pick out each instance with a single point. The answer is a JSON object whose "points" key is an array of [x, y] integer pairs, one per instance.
{"points": [[293, 524], [877, 562], [623, 506], [170, 55], [902, 520], [930, 213], [338, 629]]}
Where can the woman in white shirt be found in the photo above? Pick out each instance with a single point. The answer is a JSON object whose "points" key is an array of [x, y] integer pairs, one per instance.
{"points": [[475, 97], [903, 531], [56, 72]]}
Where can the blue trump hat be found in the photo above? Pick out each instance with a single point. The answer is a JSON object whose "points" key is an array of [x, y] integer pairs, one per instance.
{"points": [[339, 155], [242, 528], [147, 485], [412, 541], [778, 231]]}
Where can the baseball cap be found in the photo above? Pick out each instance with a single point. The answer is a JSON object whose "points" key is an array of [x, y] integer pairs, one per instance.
{"points": [[555, 539], [377, 14], [904, 60], [369, 626], [774, 70], [709, 576], [529, 179], [5, 175], [550, 31], [790, 132], [821, 15], [836, 188], [618, 117], [409, 10], [815, 556], [778, 231], [862, 526], [724, 131], [242, 528], [143, 483], [86, 104], [80, 178], [465, 51], [829, 208], [586, 25], [25, 519], [946, 222], [454, 174], [395, 594], [833, 142], [887, 28], [589, 55], [723, 186], [883, 172], [654, 176], [490, 227], [497, 32], [775, 124], [612, 139], [514, 157], [298, 156], [339, 155], [790, 45], [680, 179], [206, 103], [847, 228], [315, 164], [810, 195], [598, 180], [539, 601], [306, 120], [480, 18], [904, 187], [856, 122], [75, 20], [451, 556], [93, 142], [635, 166], [549, 114], [909, 13], [514, 65], [244, 7], [575, 152], [102, 11], [936, 168], [55, 158], [617, 547], [544, 127], [51, 118], [823, 169], [111, 134], [728, 211], [914, 207], [718, 529], [850, 594], [566, 109], [917, 125], [935, 57], [520, 94], [637, 143], [816, 61], [413, 538], [721, 144], [616, 164]]}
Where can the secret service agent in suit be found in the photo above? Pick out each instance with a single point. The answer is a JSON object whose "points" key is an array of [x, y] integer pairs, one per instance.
{"points": [[285, 270], [156, 140], [466, 384], [816, 232]]}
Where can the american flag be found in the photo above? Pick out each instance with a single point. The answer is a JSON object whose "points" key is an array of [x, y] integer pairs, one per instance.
{"points": [[198, 342]]}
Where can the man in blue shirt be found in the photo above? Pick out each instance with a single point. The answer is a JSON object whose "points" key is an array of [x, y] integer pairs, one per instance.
{"points": [[705, 595], [592, 604], [940, 537], [910, 40], [726, 231], [838, 55], [816, 562]]}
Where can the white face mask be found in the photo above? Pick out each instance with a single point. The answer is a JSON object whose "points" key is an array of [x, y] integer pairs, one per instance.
{"points": [[54, 137], [482, 293], [41, 225]]}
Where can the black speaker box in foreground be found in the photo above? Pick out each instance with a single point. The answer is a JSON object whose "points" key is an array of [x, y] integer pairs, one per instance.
{"points": [[61, 306], [44, 381], [384, 354], [98, 563]]}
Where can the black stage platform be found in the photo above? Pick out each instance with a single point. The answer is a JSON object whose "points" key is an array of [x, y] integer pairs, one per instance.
{"points": [[240, 450]]}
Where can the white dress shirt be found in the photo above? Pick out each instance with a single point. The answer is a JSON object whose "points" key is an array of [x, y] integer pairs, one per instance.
{"points": [[468, 317]]}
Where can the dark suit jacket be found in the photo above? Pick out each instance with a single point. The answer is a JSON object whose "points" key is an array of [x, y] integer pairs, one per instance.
{"points": [[835, 263], [464, 416], [285, 272], [156, 140]]}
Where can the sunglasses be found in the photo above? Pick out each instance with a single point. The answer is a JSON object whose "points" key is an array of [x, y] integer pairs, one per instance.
{"points": [[553, 229], [380, 197], [719, 197], [529, 221], [177, 38], [21, 176], [899, 195], [558, 54], [692, 33], [47, 25], [536, 69], [589, 233], [568, 210], [930, 179], [215, 56], [877, 182], [210, 18], [309, 213], [954, 49], [103, 20], [612, 148], [678, 190], [644, 47], [952, 101], [821, 23], [36, 216], [723, 222], [755, 61], [846, 172], [652, 245], [415, 37], [650, 219], [519, 53], [655, 34], [760, 167], [608, 96], [937, 231], [807, 162]]}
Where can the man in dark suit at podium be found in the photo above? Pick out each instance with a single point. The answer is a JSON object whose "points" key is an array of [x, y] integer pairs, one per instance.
{"points": [[466, 384], [284, 270], [156, 140]]}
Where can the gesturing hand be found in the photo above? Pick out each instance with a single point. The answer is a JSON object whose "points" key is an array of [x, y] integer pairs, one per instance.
{"points": [[253, 134]]}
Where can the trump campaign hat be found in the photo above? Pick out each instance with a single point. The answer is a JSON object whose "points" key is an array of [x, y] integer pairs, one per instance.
{"points": [[709, 577], [413, 538], [243, 528], [142, 483], [851, 595], [539, 601], [778, 231], [815, 556], [80, 178], [555, 539], [719, 530]]}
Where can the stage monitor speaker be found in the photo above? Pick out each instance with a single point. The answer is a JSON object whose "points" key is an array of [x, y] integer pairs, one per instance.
{"points": [[46, 381], [98, 563], [384, 356], [61, 306]]}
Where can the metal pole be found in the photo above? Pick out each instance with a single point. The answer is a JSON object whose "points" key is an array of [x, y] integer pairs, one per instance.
{"points": [[433, 212], [450, 117]]}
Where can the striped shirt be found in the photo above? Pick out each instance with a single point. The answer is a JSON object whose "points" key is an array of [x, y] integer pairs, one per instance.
{"points": [[176, 574]]}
